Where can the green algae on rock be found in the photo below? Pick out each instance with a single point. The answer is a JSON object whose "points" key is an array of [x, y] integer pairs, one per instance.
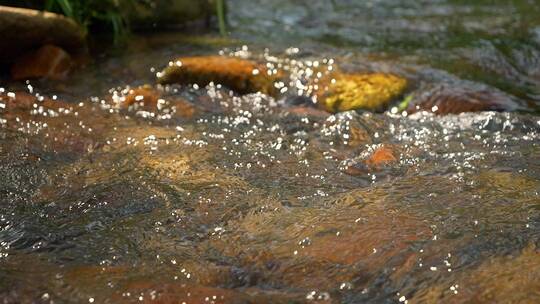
{"points": [[240, 75], [344, 92]]}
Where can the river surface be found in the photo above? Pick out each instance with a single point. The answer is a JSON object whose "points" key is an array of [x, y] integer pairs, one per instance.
{"points": [[247, 200]]}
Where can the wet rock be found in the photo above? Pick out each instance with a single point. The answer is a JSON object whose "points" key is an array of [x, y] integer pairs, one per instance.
{"points": [[446, 99], [36, 114], [307, 112], [171, 292], [360, 236], [240, 75], [381, 156], [343, 92], [507, 279], [16, 100], [376, 238], [371, 161], [183, 108], [25, 29], [48, 61], [358, 135], [21, 101], [150, 99], [142, 97]]}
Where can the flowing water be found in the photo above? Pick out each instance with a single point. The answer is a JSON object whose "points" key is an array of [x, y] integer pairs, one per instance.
{"points": [[250, 201]]}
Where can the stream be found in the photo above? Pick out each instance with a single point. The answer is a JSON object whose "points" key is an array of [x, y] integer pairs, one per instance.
{"points": [[247, 199]]}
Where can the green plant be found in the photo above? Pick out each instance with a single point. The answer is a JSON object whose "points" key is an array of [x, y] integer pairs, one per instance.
{"points": [[402, 106], [220, 11], [111, 13]]}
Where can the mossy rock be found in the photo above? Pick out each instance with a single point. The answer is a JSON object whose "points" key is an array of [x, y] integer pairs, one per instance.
{"points": [[240, 75], [340, 92]]}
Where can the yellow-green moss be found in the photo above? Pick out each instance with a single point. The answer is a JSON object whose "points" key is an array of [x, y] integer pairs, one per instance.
{"points": [[344, 92]]}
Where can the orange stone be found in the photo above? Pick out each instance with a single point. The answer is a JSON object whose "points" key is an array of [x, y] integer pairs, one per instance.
{"points": [[240, 75], [377, 160], [144, 97], [380, 157], [147, 98], [49, 61]]}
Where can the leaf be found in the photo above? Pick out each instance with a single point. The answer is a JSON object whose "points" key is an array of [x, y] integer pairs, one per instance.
{"points": [[49, 4], [220, 10], [403, 105], [66, 8]]}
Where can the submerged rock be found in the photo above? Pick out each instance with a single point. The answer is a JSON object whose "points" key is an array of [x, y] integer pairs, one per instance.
{"points": [[378, 159], [240, 75], [445, 99], [504, 279], [37, 114], [49, 61], [381, 157], [147, 98], [23, 101], [343, 92], [25, 29], [303, 111], [141, 97]]}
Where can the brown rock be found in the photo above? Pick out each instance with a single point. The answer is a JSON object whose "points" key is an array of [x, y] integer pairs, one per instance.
{"points": [[373, 242], [170, 292], [319, 249], [308, 111], [22, 101], [359, 136], [507, 279], [240, 75], [142, 97], [17, 100], [25, 29], [150, 99], [445, 99], [183, 108], [20, 108], [49, 61]]}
